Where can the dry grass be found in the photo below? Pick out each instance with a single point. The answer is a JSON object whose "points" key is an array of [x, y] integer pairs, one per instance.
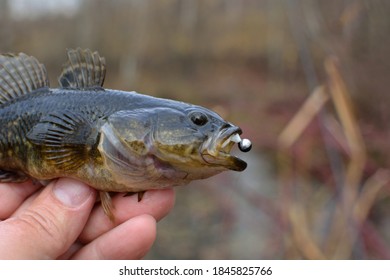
{"points": [[330, 228]]}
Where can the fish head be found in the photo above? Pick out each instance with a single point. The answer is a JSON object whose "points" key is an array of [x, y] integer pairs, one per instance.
{"points": [[197, 140], [178, 144]]}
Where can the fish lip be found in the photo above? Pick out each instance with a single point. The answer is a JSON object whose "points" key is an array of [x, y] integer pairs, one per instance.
{"points": [[228, 131], [215, 152]]}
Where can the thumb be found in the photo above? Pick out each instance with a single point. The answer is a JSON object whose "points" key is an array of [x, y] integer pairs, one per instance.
{"points": [[50, 225]]}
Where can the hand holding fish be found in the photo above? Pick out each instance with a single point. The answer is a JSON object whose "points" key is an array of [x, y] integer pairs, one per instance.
{"points": [[114, 141], [63, 221]]}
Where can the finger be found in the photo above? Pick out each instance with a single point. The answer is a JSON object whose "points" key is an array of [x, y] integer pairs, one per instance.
{"points": [[48, 227], [13, 194], [130, 240], [71, 251], [156, 203], [26, 203]]}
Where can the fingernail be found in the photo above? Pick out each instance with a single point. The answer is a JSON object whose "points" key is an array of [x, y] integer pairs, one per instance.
{"points": [[71, 193]]}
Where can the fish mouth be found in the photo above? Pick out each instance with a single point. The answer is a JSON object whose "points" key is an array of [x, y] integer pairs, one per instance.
{"points": [[216, 150]]}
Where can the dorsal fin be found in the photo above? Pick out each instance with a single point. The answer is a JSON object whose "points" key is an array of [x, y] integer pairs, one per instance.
{"points": [[84, 69], [19, 75]]}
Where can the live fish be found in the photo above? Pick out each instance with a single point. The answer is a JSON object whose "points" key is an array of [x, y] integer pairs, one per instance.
{"points": [[115, 141]]}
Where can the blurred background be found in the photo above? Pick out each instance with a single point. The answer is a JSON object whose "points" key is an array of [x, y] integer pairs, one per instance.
{"points": [[306, 80]]}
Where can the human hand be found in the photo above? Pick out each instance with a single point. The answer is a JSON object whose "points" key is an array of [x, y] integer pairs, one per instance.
{"points": [[61, 221]]}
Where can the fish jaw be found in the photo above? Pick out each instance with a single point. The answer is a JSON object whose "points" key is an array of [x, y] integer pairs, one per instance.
{"points": [[216, 150]]}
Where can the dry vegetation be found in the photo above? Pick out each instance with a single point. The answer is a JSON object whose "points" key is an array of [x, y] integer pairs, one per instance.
{"points": [[306, 80]]}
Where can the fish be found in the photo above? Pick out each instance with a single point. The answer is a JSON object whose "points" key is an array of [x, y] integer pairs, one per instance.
{"points": [[112, 140]]}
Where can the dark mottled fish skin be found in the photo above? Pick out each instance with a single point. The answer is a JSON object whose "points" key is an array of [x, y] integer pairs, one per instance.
{"points": [[19, 117], [112, 140]]}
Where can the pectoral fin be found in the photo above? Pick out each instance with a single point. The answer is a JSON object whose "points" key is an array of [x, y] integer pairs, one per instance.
{"points": [[65, 139]]}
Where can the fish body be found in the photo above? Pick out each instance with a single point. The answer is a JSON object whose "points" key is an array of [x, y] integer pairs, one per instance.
{"points": [[112, 140]]}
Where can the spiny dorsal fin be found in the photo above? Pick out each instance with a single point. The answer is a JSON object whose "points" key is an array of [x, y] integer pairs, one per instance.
{"points": [[65, 138], [84, 69], [19, 75]]}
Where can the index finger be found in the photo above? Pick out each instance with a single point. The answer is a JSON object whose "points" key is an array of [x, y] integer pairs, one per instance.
{"points": [[12, 196], [156, 203]]}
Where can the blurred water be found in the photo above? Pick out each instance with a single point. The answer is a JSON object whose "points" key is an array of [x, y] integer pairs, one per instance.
{"points": [[214, 219]]}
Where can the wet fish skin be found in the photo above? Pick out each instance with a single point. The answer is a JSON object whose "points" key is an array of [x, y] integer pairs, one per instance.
{"points": [[112, 140]]}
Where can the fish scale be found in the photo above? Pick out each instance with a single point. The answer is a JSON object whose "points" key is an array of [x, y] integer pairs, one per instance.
{"points": [[115, 141]]}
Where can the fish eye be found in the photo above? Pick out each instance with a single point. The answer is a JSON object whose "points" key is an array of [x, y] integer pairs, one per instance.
{"points": [[199, 118]]}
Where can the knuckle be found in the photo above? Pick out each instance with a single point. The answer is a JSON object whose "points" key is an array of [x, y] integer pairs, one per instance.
{"points": [[45, 224]]}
